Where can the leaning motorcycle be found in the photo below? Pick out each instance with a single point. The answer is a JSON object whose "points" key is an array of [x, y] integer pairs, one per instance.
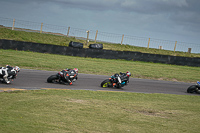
{"points": [[12, 74], [58, 78], [116, 82], [194, 88], [10, 77]]}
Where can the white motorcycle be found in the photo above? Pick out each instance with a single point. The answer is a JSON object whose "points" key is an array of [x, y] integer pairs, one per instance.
{"points": [[12, 73]]}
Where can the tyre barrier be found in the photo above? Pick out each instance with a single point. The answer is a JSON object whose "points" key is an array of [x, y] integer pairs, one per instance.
{"points": [[98, 53], [76, 44], [96, 46]]}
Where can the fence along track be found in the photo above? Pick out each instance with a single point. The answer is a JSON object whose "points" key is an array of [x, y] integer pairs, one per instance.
{"points": [[98, 36]]}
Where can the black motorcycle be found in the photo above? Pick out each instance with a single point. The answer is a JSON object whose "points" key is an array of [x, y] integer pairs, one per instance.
{"points": [[116, 81], [59, 78], [194, 88]]}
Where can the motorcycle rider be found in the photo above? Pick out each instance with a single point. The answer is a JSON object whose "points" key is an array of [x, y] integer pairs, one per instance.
{"points": [[70, 73], [8, 71], [120, 78]]}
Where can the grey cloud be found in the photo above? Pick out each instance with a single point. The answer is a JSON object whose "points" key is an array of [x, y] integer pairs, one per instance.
{"points": [[141, 6], [153, 6], [181, 12]]}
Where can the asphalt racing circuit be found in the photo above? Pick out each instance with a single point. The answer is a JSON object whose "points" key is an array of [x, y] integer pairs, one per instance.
{"points": [[37, 79]]}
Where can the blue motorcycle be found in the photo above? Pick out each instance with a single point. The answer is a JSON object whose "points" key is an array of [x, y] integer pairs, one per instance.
{"points": [[116, 81], [194, 88]]}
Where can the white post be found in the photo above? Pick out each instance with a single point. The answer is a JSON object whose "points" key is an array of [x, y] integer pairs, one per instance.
{"points": [[87, 37], [122, 39], [96, 36], [13, 27], [68, 32], [148, 43], [175, 46], [41, 28]]}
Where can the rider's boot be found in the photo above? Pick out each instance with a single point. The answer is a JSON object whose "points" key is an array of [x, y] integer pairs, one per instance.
{"points": [[6, 81]]}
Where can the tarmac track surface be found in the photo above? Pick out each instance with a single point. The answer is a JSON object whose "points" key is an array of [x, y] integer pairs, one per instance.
{"points": [[37, 79]]}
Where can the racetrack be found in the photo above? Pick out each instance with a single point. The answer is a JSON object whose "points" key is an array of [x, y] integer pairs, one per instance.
{"points": [[36, 79]]}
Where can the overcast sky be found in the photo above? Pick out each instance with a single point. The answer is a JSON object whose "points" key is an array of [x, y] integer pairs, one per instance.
{"points": [[175, 20]]}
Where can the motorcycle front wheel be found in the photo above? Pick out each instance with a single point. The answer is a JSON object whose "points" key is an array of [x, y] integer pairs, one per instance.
{"points": [[106, 83], [192, 89], [52, 79]]}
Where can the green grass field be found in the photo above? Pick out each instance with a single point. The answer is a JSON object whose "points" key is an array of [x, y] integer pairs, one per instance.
{"points": [[82, 111]]}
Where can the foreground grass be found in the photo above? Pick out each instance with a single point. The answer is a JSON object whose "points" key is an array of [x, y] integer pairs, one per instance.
{"points": [[64, 41], [62, 111], [99, 66]]}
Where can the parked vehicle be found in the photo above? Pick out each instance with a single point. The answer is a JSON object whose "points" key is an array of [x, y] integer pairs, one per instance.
{"points": [[116, 80], [194, 88]]}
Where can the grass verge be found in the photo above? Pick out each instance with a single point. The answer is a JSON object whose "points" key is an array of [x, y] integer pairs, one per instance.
{"points": [[99, 66], [50, 111]]}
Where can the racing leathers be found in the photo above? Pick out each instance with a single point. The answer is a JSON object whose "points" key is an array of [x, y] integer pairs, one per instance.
{"points": [[8, 71], [122, 78], [69, 75]]}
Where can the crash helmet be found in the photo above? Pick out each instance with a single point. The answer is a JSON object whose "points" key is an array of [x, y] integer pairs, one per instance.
{"points": [[128, 73], [17, 69], [76, 70], [116, 75]]}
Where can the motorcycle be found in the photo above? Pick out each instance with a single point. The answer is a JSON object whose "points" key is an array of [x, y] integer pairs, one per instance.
{"points": [[194, 88], [59, 78], [116, 81], [12, 74], [10, 78]]}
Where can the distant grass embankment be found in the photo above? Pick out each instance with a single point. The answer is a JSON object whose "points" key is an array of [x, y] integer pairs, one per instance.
{"points": [[64, 41], [138, 69]]}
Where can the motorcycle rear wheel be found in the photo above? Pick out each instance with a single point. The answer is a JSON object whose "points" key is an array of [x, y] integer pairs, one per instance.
{"points": [[106, 83], [192, 89], [52, 79]]}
